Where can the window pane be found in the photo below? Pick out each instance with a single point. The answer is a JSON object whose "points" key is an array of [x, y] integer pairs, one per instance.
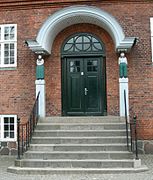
{"points": [[68, 47], [94, 40], [78, 47], [6, 134], [97, 46], [89, 69], [6, 120], [79, 40], [87, 47], [86, 39], [70, 41], [6, 47], [11, 46], [72, 69], [12, 127], [94, 63], [12, 135], [92, 66], [89, 63], [12, 35], [6, 127], [6, 53], [74, 66], [0, 34], [11, 60], [12, 120], [71, 63], [77, 63], [12, 53], [6, 60], [6, 33]]}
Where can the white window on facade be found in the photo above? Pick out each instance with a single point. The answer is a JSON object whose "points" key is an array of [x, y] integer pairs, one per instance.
{"points": [[151, 28], [8, 127], [8, 45]]}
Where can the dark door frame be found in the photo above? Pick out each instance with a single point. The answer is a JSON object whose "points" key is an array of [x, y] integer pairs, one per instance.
{"points": [[83, 45]]}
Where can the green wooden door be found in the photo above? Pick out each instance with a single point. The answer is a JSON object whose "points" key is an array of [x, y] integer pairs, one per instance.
{"points": [[83, 86], [93, 88]]}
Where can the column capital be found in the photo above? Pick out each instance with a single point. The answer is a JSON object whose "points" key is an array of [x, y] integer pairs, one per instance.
{"points": [[40, 82], [123, 80]]}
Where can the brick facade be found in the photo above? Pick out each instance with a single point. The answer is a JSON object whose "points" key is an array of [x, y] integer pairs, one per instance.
{"points": [[17, 88]]}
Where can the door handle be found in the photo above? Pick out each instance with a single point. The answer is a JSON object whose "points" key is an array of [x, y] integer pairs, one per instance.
{"points": [[85, 91]]}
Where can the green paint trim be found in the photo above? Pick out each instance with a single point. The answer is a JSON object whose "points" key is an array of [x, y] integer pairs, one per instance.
{"points": [[8, 69]]}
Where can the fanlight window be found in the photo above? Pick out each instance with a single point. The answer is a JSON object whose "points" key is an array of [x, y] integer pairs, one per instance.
{"points": [[83, 43]]}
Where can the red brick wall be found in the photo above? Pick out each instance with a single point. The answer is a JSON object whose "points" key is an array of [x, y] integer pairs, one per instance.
{"points": [[17, 87]]}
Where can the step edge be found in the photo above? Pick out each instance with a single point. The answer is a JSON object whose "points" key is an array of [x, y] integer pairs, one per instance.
{"points": [[79, 152], [77, 160]]}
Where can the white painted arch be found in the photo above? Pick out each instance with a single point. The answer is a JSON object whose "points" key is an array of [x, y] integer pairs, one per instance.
{"points": [[75, 15]]}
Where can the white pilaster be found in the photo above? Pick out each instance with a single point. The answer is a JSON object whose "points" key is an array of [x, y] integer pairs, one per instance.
{"points": [[123, 85], [40, 87]]}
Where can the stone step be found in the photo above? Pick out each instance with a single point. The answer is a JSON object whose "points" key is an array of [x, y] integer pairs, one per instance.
{"points": [[79, 140], [78, 147], [80, 126], [83, 119], [48, 170], [78, 133], [73, 163], [78, 155]]}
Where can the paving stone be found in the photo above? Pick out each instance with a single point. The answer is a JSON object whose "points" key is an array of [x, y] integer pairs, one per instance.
{"points": [[148, 148], [13, 152], [12, 145], [3, 144], [4, 151]]}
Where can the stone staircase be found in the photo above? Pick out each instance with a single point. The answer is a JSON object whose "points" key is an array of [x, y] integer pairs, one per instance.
{"points": [[78, 145]]}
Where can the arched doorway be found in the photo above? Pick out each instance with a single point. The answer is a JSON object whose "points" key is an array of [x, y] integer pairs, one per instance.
{"points": [[72, 15], [83, 75]]}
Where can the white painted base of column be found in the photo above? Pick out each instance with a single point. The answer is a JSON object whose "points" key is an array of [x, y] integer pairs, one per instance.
{"points": [[137, 163], [123, 83], [40, 87]]}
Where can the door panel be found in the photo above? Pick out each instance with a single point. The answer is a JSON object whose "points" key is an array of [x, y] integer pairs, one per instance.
{"points": [[74, 89], [82, 87], [74, 86], [93, 83], [92, 102]]}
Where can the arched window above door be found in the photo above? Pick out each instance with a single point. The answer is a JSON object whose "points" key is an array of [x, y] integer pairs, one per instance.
{"points": [[82, 44]]}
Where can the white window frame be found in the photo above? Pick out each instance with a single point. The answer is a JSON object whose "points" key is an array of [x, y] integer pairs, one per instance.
{"points": [[3, 41], [151, 29], [2, 128]]}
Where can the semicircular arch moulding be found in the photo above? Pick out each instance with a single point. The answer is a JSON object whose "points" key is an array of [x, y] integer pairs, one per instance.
{"points": [[74, 15]]}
